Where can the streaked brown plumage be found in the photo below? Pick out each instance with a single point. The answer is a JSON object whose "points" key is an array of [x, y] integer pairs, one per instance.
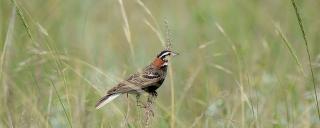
{"points": [[148, 80]]}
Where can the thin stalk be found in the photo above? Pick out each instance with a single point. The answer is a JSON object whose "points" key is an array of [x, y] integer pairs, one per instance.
{"points": [[290, 48], [308, 52], [23, 19], [8, 41], [60, 100], [172, 124], [126, 29], [4, 62]]}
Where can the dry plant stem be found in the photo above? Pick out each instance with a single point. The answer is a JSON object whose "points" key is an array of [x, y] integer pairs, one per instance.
{"points": [[3, 63], [308, 52], [148, 110], [156, 32], [172, 124], [49, 107], [8, 41], [128, 111], [126, 29], [138, 103], [168, 47], [156, 28], [197, 120], [147, 10], [168, 39]]}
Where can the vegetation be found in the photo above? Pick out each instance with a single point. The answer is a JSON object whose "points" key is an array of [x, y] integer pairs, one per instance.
{"points": [[241, 63]]}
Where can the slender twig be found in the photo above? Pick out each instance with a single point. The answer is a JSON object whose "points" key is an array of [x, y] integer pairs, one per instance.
{"points": [[308, 52]]}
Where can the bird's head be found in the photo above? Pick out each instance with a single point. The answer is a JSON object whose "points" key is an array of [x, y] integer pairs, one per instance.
{"points": [[161, 59]]}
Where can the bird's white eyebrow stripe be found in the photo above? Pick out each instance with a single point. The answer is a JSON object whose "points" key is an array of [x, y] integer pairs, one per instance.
{"points": [[164, 54]]}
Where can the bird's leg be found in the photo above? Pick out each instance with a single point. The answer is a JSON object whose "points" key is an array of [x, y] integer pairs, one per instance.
{"points": [[152, 96], [128, 110], [138, 99]]}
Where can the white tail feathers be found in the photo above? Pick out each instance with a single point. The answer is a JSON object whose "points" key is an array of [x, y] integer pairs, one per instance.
{"points": [[105, 100]]}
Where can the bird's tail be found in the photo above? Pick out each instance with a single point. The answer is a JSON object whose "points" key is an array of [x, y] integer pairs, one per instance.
{"points": [[106, 99]]}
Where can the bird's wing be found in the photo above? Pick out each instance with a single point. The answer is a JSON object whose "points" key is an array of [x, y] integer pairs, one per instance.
{"points": [[147, 77], [138, 81]]}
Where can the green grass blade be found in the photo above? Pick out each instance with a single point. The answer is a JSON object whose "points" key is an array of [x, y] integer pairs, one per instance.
{"points": [[308, 52], [23, 19], [64, 109], [290, 48]]}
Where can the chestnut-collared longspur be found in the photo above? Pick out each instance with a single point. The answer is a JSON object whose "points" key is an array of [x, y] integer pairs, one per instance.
{"points": [[148, 80]]}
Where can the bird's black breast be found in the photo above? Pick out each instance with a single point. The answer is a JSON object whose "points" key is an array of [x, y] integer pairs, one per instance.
{"points": [[154, 87]]}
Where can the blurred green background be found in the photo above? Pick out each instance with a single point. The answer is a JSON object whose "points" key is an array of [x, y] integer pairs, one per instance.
{"points": [[235, 67]]}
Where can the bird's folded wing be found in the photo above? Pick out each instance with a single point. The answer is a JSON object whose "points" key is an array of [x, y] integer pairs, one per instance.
{"points": [[137, 82]]}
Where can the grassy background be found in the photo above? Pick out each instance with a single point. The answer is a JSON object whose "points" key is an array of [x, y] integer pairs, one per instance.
{"points": [[235, 67]]}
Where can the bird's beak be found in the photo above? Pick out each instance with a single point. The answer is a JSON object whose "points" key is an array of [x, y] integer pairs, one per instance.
{"points": [[174, 53]]}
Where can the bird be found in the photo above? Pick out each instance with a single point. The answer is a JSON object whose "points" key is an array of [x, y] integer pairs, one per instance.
{"points": [[146, 81]]}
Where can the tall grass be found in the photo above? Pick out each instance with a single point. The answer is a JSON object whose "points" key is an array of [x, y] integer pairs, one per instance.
{"points": [[308, 53], [3, 65], [240, 63], [64, 109]]}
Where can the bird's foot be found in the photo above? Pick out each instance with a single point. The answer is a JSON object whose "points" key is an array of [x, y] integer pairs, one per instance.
{"points": [[153, 94], [147, 106], [151, 97]]}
